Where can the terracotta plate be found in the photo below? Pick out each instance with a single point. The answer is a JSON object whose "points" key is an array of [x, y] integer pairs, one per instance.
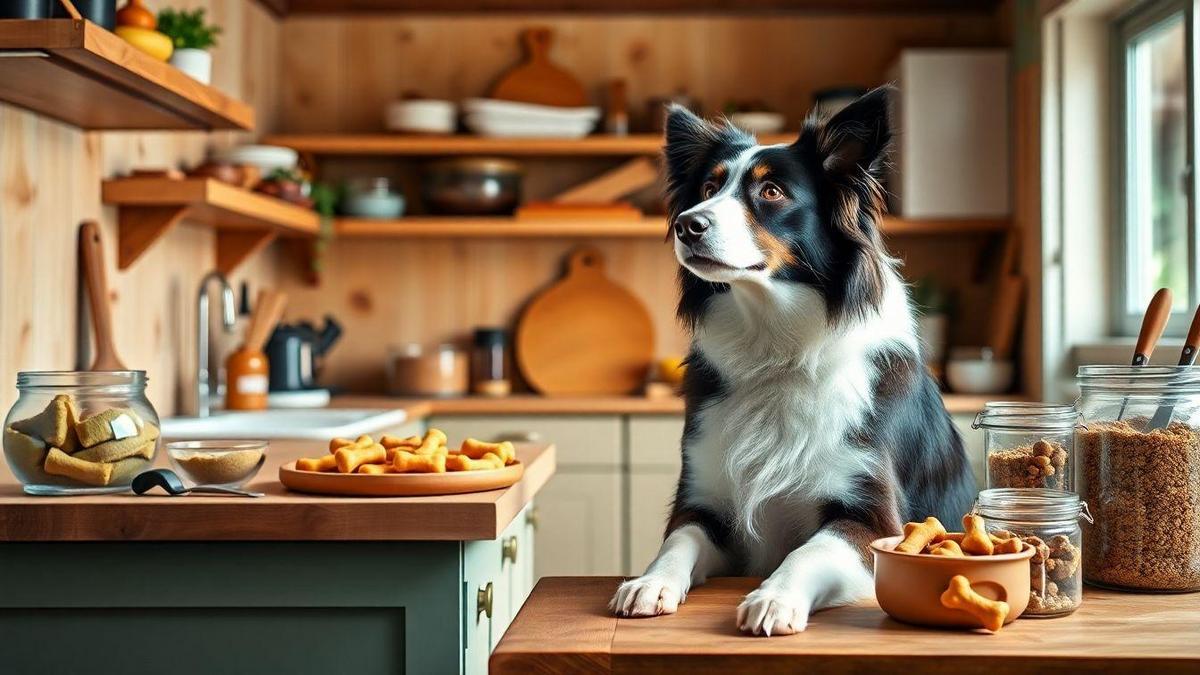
{"points": [[399, 484]]}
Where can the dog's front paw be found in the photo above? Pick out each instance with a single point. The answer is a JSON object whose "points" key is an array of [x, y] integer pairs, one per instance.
{"points": [[647, 596], [768, 612]]}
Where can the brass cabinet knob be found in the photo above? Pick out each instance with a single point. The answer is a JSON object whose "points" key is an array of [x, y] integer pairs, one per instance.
{"points": [[531, 519], [508, 550], [483, 601]]}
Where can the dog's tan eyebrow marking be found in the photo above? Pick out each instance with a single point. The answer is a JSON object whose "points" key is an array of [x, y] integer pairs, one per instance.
{"points": [[760, 171], [720, 170]]}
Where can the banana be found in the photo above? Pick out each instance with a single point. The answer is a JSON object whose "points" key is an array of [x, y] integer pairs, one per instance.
{"points": [[149, 41]]}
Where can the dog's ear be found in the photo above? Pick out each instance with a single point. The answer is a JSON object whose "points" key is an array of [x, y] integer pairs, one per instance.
{"points": [[855, 140], [689, 138]]}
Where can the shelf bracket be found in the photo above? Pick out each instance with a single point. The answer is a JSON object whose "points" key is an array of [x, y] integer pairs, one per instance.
{"points": [[235, 246], [140, 226]]}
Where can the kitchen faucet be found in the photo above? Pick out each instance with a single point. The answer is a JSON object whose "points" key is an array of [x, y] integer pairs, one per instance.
{"points": [[204, 387]]}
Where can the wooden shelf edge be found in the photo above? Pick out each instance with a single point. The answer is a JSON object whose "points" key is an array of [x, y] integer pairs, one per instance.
{"points": [[600, 145], [89, 50], [245, 221], [415, 227]]}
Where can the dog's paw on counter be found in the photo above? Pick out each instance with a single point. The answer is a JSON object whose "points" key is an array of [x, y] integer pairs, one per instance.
{"points": [[647, 596], [768, 612]]}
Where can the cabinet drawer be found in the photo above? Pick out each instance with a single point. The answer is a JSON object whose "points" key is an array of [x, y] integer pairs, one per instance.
{"points": [[580, 440], [654, 440], [650, 495]]}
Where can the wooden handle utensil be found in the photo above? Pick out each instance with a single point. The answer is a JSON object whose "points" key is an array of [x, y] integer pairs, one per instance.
{"points": [[91, 251], [1190, 345], [1153, 324]]}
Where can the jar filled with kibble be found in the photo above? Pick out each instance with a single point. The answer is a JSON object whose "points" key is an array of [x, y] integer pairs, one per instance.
{"points": [[1049, 521], [1139, 469], [1028, 445]]}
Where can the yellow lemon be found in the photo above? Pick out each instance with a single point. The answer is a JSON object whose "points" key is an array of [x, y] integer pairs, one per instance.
{"points": [[149, 41]]}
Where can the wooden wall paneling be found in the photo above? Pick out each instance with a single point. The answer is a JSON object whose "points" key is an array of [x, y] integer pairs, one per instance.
{"points": [[50, 177]]}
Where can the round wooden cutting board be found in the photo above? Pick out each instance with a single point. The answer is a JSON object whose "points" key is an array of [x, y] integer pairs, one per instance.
{"points": [[585, 335]]}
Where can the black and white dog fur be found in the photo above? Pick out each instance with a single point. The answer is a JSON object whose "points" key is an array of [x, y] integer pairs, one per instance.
{"points": [[812, 425]]}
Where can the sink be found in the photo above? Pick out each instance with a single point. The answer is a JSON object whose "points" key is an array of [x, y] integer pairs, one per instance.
{"points": [[305, 424]]}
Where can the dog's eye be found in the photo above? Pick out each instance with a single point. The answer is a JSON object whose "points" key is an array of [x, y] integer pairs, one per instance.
{"points": [[709, 189], [771, 192]]}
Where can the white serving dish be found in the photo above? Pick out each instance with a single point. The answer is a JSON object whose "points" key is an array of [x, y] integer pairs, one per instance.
{"points": [[758, 122], [514, 128], [267, 158], [303, 424], [491, 107], [979, 376], [425, 116]]}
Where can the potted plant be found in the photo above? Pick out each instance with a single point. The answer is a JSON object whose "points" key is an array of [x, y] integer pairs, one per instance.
{"points": [[192, 38], [932, 305]]}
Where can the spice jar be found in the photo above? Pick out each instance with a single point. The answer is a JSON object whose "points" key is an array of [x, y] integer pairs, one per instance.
{"points": [[1048, 520], [80, 431], [1028, 445], [489, 369], [1139, 469]]}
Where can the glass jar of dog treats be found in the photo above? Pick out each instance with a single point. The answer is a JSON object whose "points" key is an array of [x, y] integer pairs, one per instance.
{"points": [[1048, 520], [1028, 445], [80, 432], [1139, 468]]}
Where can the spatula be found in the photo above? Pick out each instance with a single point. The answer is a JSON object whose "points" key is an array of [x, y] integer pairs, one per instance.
{"points": [[91, 250], [1162, 416], [1153, 324]]}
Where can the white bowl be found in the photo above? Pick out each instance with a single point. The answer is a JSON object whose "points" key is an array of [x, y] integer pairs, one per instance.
{"points": [[266, 157], [531, 112], [427, 116], [506, 127], [979, 376], [758, 122]]}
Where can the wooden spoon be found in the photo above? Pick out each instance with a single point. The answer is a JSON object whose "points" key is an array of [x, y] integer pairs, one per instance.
{"points": [[1153, 324], [91, 250]]}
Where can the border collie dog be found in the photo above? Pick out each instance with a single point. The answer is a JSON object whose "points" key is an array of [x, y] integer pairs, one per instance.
{"points": [[812, 426]]}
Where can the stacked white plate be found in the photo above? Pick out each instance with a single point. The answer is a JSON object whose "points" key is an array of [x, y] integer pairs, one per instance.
{"points": [[266, 157], [491, 117]]}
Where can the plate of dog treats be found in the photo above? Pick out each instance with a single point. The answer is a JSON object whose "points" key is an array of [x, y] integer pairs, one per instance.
{"points": [[405, 467]]}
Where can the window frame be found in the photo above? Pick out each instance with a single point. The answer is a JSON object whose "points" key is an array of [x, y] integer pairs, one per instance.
{"points": [[1126, 29]]}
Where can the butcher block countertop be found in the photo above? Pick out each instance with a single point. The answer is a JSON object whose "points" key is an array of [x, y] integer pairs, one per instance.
{"points": [[565, 626], [281, 515]]}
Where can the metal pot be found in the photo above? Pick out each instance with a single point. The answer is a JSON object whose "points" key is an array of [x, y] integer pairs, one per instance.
{"points": [[472, 186]]}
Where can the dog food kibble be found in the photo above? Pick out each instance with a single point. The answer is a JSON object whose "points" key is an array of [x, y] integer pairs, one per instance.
{"points": [[1038, 465], [1056, 585], [1144, 492]]}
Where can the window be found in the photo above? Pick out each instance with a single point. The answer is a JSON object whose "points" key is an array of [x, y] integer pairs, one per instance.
{"points": [[1155, 243]]}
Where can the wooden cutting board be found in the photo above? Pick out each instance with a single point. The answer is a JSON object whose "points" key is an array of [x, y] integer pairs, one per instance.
{"points": [[537, 79], [585, 334]]}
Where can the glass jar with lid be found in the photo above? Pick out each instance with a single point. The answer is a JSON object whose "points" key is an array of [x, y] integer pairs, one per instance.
{"points": [[1139, 469], [1048, 520], [489, 363], [73, 432], [1028, 445]]}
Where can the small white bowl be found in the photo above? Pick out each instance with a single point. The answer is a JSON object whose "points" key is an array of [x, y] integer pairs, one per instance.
{"points": [[423, 116], [267, 158], [758, 122], [979, 376]]}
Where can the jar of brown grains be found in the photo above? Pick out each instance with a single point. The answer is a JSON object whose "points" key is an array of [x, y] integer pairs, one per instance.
{"points": [[1048, 520], [1139, 469], [1028, 445]]}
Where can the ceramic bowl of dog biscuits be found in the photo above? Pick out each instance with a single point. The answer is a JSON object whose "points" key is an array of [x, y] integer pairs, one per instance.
{"points": [[951, 591]]}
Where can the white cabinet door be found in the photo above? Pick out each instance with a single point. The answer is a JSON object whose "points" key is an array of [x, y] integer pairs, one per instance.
{"points": [[579, 525], [482, 577], [650, 495], [586, 441]]}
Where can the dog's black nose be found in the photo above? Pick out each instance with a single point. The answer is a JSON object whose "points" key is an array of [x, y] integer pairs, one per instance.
{"points": [[690, 227]]}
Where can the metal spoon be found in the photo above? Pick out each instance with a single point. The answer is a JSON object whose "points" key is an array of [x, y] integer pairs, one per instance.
{"points": [[173, 484]]}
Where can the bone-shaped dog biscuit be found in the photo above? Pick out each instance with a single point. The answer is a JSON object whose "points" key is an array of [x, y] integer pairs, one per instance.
{"points": [[461, 462], [392, 442], [1012, 545], [59, 463], [55, 424], [350, 458], [434, 441], [476, 449], [118, 449], [376, 468], [407, 462], [975, 540], [947, 548], [326, 463], [919, 535], [960, 595], [363, 441], [112, 424]]}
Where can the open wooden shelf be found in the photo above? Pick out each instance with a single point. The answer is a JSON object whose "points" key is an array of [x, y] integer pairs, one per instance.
{"points": [[599, 145], [245, 221], [81, 74], [425, 227]]}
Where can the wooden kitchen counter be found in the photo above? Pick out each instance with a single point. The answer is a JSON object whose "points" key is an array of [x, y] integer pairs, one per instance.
{"points": [[565, 626], [282, 515]]}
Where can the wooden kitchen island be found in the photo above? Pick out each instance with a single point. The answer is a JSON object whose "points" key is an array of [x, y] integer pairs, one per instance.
{"points": [[566, 627], [287, 583]]}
